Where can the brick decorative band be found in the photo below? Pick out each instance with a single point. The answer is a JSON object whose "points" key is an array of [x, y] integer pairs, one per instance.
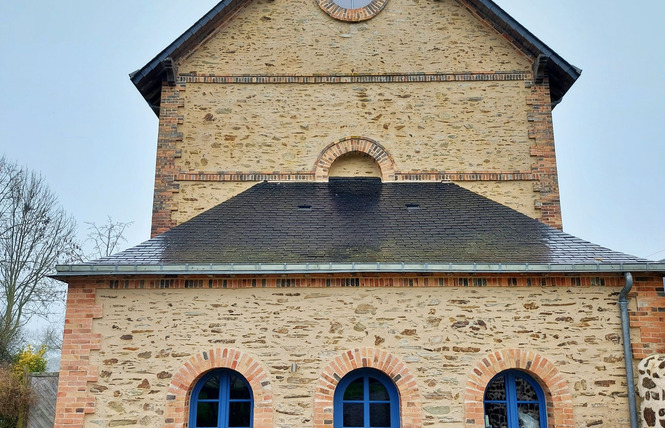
{"points": [[244, 176], [398, 176], [185, 378], [466, 176], [356, 78], [393, 367], [367, 280], [557, 393]]}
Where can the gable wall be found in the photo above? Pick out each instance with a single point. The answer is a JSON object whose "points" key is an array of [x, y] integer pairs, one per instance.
{"points": [[247, 105]]}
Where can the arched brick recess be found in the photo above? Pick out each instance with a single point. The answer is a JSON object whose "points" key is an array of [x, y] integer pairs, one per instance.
{"points": [[183, 381], [355, 144], [557, 394], [393, 367]]}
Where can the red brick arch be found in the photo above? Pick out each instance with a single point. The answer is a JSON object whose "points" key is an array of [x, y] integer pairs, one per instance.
{"points": [[557, 394], [183, 381], [393, 367], [355, 144]]}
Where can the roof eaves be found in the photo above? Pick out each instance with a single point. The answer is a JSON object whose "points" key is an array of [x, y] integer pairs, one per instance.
{"points": [[65, 271], [565, 73], [148, 76]]}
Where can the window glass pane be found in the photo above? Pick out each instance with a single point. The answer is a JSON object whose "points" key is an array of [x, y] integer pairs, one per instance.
{"points": [[355, 390], [210, 389], [496, 415], [525, 391], [377, 391], [352, 4], [354, 414], [496, 390], [528, 415], [206, 414], [239, 414], [379, 415], [238, 388]]}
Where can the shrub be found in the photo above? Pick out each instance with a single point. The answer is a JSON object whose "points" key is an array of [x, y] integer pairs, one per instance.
{"points": [[29, 361], [15, 397]]}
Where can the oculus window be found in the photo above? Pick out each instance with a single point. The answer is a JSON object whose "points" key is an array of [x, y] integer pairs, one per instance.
{"points": [[513, 399], [221, 399], [352, 4], [366, 398]]}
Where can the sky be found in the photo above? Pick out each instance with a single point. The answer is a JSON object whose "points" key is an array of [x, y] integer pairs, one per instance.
{"points": [[69, 110]]}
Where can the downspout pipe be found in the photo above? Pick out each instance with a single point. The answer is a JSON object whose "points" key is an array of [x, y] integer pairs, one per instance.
{"points": [[627, 351]]}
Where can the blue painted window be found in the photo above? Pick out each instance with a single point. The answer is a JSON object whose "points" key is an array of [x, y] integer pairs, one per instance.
{"points": [[221, 399], [366, 398], [514, 400]]}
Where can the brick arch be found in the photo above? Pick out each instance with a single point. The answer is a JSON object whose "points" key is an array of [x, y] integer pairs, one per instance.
{"points": [[393, 367], [355, 144], [557, 394], [183, 381]]}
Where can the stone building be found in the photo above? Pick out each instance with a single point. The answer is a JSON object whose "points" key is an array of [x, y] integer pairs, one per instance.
{"points": [[356, 222]]}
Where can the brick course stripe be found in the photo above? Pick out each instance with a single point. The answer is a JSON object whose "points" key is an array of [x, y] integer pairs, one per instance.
{"points": [[558, 398], [223, 176], [355, 78]]}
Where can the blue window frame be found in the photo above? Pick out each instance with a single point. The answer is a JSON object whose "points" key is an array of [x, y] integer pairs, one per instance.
{"points": [[222, 398], [514, 400], [366, 398]]}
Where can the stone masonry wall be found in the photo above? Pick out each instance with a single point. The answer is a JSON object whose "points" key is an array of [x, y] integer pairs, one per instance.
{"points": [[439, 328], [297, 37]]}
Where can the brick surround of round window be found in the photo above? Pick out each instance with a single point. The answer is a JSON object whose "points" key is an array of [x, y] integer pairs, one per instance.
{"points": [[352, 15]]}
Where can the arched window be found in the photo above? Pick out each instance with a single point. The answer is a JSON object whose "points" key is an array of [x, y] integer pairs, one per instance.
{"points": [[366, 398], [514, 400], [221, 399]]}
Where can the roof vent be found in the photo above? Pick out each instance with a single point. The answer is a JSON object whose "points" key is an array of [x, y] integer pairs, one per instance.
{"points": [[304, 208], [412, 207]]}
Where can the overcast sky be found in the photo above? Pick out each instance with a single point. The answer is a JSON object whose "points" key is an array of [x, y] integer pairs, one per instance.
{"points": [[69, 110]]}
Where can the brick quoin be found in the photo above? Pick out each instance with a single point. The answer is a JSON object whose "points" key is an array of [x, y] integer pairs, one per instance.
{"points": [[541, 132], [557, 394], [78, 341], [648, 317], [393, 367], [170, 117], [184, 380]]}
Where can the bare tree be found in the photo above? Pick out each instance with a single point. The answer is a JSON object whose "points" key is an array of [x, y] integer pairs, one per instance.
{"points": [[35, 235], [106, 238]]}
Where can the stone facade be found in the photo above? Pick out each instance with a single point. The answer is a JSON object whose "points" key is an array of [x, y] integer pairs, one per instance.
{"points": [[444, 335], [261, 98], [422, 91]]}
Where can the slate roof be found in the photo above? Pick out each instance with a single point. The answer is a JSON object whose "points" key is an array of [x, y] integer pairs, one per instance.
{"points": [[363, 221], [148, 79]]}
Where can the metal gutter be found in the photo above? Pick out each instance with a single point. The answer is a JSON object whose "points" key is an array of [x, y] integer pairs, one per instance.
{"points": [[627, 351], [64, 271]]}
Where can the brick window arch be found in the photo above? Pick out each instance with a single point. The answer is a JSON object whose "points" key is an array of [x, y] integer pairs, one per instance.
{"points": [[555, 388], [185, 379], [348, 361], [355, 144]]}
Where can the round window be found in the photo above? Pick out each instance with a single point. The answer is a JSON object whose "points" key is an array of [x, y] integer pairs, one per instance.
{"points": [[352, 10], [352, 4]]}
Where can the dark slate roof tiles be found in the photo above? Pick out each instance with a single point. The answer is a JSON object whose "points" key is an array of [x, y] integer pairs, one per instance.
{"points": [[363, 220]]}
